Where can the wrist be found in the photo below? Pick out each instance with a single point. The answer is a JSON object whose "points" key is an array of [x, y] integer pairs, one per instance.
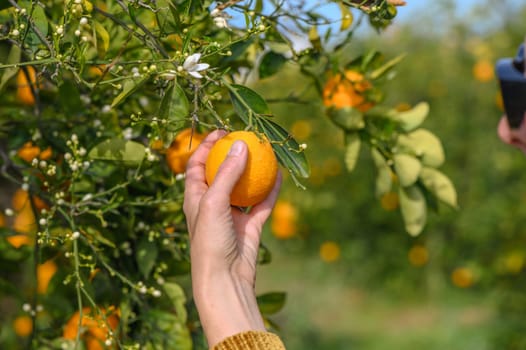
{"points": [[227, 305]]}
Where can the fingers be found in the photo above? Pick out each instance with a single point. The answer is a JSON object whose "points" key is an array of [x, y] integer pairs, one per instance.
{"points": [[228, 174], [503, 130], [514, 137], [261, 211], [195, 182], [195, 169]]}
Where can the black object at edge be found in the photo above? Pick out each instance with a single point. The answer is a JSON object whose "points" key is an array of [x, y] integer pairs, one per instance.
{"points": [[513, 87]]}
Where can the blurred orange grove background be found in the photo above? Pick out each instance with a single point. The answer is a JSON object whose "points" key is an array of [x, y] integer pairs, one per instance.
{"points": [[339, 249]]}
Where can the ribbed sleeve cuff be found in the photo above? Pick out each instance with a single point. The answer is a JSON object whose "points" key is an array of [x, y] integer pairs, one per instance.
{"points": [[251, 340]]}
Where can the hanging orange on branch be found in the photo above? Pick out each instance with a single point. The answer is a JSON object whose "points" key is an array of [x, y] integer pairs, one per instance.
{"points": [[260, 173], [348, 90], [182, 147]]}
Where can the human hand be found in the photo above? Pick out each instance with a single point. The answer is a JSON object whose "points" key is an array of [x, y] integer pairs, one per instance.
{"points": [[514, 137], [224, 244]]}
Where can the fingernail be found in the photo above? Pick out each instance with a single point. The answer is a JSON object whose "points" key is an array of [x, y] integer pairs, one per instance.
{"points": [[236, 148]]}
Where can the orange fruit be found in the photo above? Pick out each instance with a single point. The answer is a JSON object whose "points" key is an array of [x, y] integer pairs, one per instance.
{"points": [[28, 152], [259, 177], [45, 272], [390, 201], [23, 326], [46, 154], [347, 91], [462, 277], [418, 255], [301, 129], [2, 220], [20, 200], [284, 220], [403, 106], [97, 70], [23, 92], [19, 240], [182, 147], [94, 330], [24, 220], [332, 166], [483, 71], [40, 203], [174, 40], [330, 251], [156, 145]]}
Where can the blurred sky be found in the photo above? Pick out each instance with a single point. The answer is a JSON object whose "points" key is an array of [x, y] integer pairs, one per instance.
{"points": [[414, 12], [463, 7]]}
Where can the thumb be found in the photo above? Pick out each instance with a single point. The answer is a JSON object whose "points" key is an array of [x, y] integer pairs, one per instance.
{"points": [[230, 171]]}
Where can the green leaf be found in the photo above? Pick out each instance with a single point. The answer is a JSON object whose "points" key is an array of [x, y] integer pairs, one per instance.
{"points": [[287, 149], [352, 150], [248, 103], [40, 20], [270, 303], [424, 145], [379, 72], [14, 57], [174, 105], [129, 152], [103, 39], [407, 169], [128, 88], [131, 11], [166, 13], [348, 118], [69, 97], [384, 181], [165, 331], [278, 47], [95, 234], [412, 118], [413, 208], [175, 293], [238, 49], [264, 254], [347, 17], [440, 185], [259, 6], [314, 38], [371, 58], [146, 256], [5, 4], [271, 63]]}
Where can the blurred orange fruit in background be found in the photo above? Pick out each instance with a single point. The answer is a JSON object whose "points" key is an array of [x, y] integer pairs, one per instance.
{"points": [[23, 326], [390, 201], [24, 221], [24, 94], [284, 220], [28, 152], [483, 71], [95, 329], [418, 255], [462, 277], [301, 129], [347, 91], [45, 272], [330, 251], [181, 148]]}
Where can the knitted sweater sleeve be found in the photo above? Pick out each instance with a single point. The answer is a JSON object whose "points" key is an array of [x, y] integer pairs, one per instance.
{"points": [[251, 340]]}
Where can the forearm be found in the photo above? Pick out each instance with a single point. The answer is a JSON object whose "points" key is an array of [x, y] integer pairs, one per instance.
{"points": [[226, 306]]}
